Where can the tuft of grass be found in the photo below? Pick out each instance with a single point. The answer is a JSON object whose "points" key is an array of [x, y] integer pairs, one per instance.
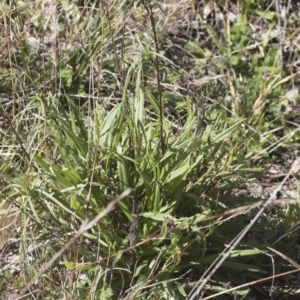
{"points": [[99, 98]]}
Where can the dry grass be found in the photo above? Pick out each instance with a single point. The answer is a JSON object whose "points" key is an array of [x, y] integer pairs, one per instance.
{"points": [[182, 101]]}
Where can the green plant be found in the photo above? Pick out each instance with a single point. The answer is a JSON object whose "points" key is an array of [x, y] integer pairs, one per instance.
{"points": [[105, 103]]}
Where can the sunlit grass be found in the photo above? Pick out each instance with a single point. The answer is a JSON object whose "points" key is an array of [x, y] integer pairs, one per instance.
{"points": [[97, 107]]}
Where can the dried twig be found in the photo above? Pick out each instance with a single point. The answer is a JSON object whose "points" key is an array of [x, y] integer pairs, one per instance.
{"points": [[86, 225], [226, 253]]}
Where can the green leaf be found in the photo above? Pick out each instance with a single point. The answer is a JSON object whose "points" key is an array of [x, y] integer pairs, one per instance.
{"points": [[125, 209], [156, 216], [139, 269], [226, 132], [235, 253], [193, 47], [69, 265], [177, 176], [181, 289]]}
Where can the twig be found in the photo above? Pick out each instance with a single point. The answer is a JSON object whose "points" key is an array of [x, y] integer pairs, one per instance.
{"points": [[226, 253], [251, 283], [86, 225], [148, 6]]}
